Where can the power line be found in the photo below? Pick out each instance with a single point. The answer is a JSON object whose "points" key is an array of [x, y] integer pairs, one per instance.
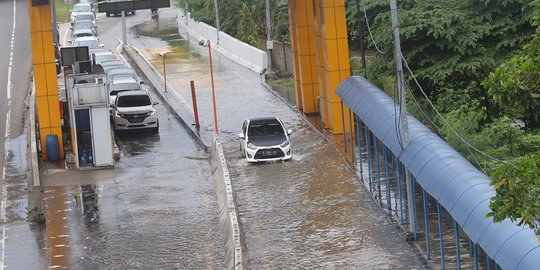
{"points": [[446, 122], [369, 29], [439, 128]]}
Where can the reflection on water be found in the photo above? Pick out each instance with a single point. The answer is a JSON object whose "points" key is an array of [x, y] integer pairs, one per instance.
{"points": [[89, 201], [178, 48]]}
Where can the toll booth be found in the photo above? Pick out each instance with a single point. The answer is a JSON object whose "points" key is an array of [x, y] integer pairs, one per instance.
{"points": [[92, 139]]}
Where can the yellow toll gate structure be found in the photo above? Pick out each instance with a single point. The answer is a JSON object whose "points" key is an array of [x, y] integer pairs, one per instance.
{"points": [[321, 62], [45, 81], [321, 58]]}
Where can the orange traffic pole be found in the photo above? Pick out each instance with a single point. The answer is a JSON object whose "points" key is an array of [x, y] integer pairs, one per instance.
{"points": [[213, 91], [195, 108], [164, 73]]}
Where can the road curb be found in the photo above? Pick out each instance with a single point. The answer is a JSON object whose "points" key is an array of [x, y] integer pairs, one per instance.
{"points": [[35, 203]]}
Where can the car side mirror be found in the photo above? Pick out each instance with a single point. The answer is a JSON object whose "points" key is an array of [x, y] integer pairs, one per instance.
{"points": [[155, 103], [241, 136], [289, 131], [95, 26], [69, 40], [112, 106], [141, 81]]}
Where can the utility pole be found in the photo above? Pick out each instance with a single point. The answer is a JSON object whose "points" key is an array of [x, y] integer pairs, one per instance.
{"points": [[361, 34], [124, 32], [403, 123], [269, 43], [55, 28], [216, 13], [187, 11]]}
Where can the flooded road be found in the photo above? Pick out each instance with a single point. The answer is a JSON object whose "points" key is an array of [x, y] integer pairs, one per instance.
{"points": [[158, 212], [309, 213], [155, 210]]}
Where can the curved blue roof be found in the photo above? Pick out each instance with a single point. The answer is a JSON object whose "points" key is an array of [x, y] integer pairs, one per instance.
{"points": [[459, 187]]}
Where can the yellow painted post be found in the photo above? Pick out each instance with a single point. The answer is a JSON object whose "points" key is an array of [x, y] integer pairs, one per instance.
{"points": [[46, 84], [323, 108], [296, 61], [307, 54], [336, 52]]}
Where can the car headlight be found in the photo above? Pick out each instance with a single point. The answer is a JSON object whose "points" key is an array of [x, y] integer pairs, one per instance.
{"points": [[151, 112], [117, 114], [285, 143], [251, 146]]}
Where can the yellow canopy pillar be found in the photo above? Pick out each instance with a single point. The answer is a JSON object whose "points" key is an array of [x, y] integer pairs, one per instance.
{"points": [[296, 60], [305, 54], [336, 60], [46, 84], [323, 108]]}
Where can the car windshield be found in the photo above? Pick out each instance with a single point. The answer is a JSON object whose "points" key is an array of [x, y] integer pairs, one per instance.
{"points": [[133, 101], [83, 25], [117, 87], [83, 34], [92, 44], [85, 17], [104, 57], [81, 8], [265, 129]]}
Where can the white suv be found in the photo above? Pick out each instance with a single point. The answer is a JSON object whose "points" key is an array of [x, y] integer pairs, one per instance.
{"points": [[81, 8], [134, 110]]}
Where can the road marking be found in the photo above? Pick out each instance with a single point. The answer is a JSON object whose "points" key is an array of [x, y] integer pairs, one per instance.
{"points": [[8, 119], [64, 41], [6, 146]]}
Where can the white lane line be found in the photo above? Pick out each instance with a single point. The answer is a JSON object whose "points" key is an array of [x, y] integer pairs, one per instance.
{"points": [[6, 147], [64, 38], [8, 119]]}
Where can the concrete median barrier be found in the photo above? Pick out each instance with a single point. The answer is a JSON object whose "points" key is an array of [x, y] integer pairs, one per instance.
{"points": [[236, 254], [228, 210]]}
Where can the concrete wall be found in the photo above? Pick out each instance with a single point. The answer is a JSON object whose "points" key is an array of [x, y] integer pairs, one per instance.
{"points": [[228, 210], [35, 198], [238, 51], [282, 58]]}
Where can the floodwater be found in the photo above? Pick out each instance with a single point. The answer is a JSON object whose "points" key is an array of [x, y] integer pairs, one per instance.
{"points": [[155, 210], [307, 213]]}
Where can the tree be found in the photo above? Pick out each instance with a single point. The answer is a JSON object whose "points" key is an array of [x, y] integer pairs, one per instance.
{"points": [[515, 85], [247, 30], [517, 187], [450, 44]]}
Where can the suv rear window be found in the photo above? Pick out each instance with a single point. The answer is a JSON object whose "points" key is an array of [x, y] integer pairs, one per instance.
{"points": [[133, 101]]}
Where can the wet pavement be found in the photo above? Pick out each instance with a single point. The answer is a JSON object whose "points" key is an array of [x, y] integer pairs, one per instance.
{"points": [[310, 212], [158, 210], [155, 210]]}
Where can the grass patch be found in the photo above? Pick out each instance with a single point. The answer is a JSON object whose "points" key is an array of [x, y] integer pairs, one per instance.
{"points": [[284, 86], [62, 10]]}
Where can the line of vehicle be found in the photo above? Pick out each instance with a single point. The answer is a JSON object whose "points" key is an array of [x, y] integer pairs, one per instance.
{"points": [[6, 144]]}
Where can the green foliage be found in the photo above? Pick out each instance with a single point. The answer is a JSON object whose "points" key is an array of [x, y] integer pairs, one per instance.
{"points": [[243, 19], [517, 187], [247, 31], [450, 44], [515, 86]]}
